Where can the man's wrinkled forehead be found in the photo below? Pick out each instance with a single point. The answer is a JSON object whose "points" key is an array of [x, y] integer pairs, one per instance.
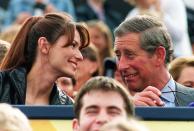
{"points": [[126, 39]]}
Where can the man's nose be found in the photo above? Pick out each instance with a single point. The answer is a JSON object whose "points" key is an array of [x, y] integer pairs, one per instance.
{"points": [[102, 118]]}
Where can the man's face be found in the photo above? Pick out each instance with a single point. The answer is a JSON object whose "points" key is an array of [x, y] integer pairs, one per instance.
{"points": [[135, 64], [98, 108]]}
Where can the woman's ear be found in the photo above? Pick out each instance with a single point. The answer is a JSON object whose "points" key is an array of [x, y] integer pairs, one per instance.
{"points": [[43, 45]]}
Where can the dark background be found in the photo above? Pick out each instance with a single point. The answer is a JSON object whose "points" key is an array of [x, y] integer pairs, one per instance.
{"points": [[118, 5]]}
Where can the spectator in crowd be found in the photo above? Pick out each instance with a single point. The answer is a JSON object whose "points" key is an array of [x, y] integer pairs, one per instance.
{"points": [[46, 48], [36, 7], [12, 119], [15, 7], [2, 15], [124, 125], [66, 86], [190, 18], [65, 6], [96, 105], [101, 37], [87, 68], [4, 47], [21, 18], [98, 10], [9, 33], [173, 14], [182, 70], [143, 48]]}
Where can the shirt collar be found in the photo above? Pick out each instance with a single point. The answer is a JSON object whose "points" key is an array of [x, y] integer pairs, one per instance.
{"points": [[170, 86]]}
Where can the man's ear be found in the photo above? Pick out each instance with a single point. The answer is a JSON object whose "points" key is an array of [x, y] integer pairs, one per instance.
{"points": [[43, 45], [160, 55], [75, 124]]}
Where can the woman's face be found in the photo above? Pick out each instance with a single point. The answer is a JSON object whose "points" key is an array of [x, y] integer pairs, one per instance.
{"points": [[64, 59], [98, 38], [186, 77]]}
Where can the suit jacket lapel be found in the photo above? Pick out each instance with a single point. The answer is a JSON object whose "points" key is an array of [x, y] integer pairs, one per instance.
{"points": [[184, 98]]}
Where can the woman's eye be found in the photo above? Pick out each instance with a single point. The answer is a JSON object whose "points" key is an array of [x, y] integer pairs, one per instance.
{"points": [[73, 45]]}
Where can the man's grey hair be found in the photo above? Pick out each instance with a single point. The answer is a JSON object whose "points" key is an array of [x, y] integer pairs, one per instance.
{"points": [[152, 32]]}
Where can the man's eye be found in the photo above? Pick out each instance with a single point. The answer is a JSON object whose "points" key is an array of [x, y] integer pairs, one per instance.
{"points": [[129, 55], [91, 112], [114, 113], [118, 57]]}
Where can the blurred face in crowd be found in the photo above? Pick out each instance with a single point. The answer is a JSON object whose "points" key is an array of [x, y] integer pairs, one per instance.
{"points": [[98, 38], [145, 3], [99, 108], [187, 77], [65, 84], [85, 69]]}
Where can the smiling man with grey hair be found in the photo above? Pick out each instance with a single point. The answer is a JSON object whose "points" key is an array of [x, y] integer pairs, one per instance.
{"points": [[143, 48]]}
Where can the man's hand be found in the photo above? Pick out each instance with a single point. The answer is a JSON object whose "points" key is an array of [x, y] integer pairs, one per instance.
{"points": [[150, 96]]}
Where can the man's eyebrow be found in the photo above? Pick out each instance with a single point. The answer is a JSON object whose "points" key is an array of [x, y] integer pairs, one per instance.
{"points": [[91, 107], [116, 51], [114, 107]]}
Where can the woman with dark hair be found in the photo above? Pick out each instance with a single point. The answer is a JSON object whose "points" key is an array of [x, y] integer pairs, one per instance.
{"points": [[46, 48]]}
